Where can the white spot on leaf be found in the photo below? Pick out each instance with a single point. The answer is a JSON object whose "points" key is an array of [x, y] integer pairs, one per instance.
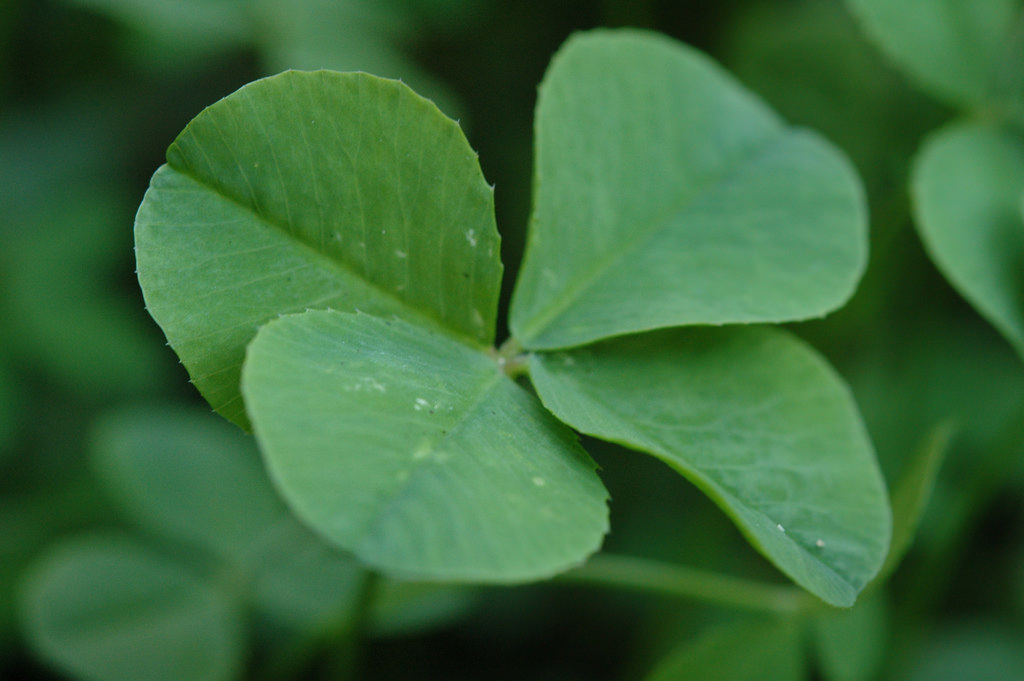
{"points": [[539, 481], [471, 238], [367, 383], [781, 528]]}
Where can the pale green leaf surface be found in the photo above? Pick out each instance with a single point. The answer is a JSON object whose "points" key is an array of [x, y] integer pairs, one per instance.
{"points": [[956, 50], [189, 476], [314, 190], [850, 644], [743, 651], [966, 186], [755, 419], [104, 608], [416, 453], [666, 194]]}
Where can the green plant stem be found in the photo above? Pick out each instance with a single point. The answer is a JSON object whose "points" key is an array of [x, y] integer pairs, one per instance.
{"points": [[344, 638], [511, 358], [640, 574], [346, 659]]}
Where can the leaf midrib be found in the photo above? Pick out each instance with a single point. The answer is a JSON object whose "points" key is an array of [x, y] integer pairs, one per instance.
{"points": [[562, 303], [325, 261], [388, 502], [695, 475]]}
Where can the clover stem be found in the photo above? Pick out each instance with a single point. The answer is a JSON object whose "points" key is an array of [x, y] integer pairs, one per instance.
{"points": [[641, 574], [511, 358], [337, 643], [346, 658]]}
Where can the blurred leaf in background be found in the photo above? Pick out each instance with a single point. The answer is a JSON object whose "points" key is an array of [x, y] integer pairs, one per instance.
{"points": [[105, 607], [976, 650], [965, 53], [213, 548], [375, 36], [850, 644], [29, 520], [64, 256], [811, 62], [744, 651], [8, 412], [967, 184], [63, 291]]}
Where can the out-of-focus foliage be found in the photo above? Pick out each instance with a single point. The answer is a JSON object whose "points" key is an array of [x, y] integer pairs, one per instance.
{"points": [[92, 93], [8, 405], [214, 548], [345, 35], [965, 53]]}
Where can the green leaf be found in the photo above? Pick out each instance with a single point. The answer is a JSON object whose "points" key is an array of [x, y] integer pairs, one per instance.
{"points": [[966, 186], [82, 236], [743, 651], [407, 608], [314, 190], [104, 608], [307, 585], [959, 51], [302, 583], [850, 644], [666, 194], [757, 421], [29, 520], [188, 24], [811, 62], [416, 453], [911, 493], [349, 35], [189, 476], [978, 650], [8, 412]]}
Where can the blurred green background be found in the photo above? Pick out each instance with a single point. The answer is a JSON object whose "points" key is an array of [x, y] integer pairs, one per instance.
{"points": [[93, 91]]}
